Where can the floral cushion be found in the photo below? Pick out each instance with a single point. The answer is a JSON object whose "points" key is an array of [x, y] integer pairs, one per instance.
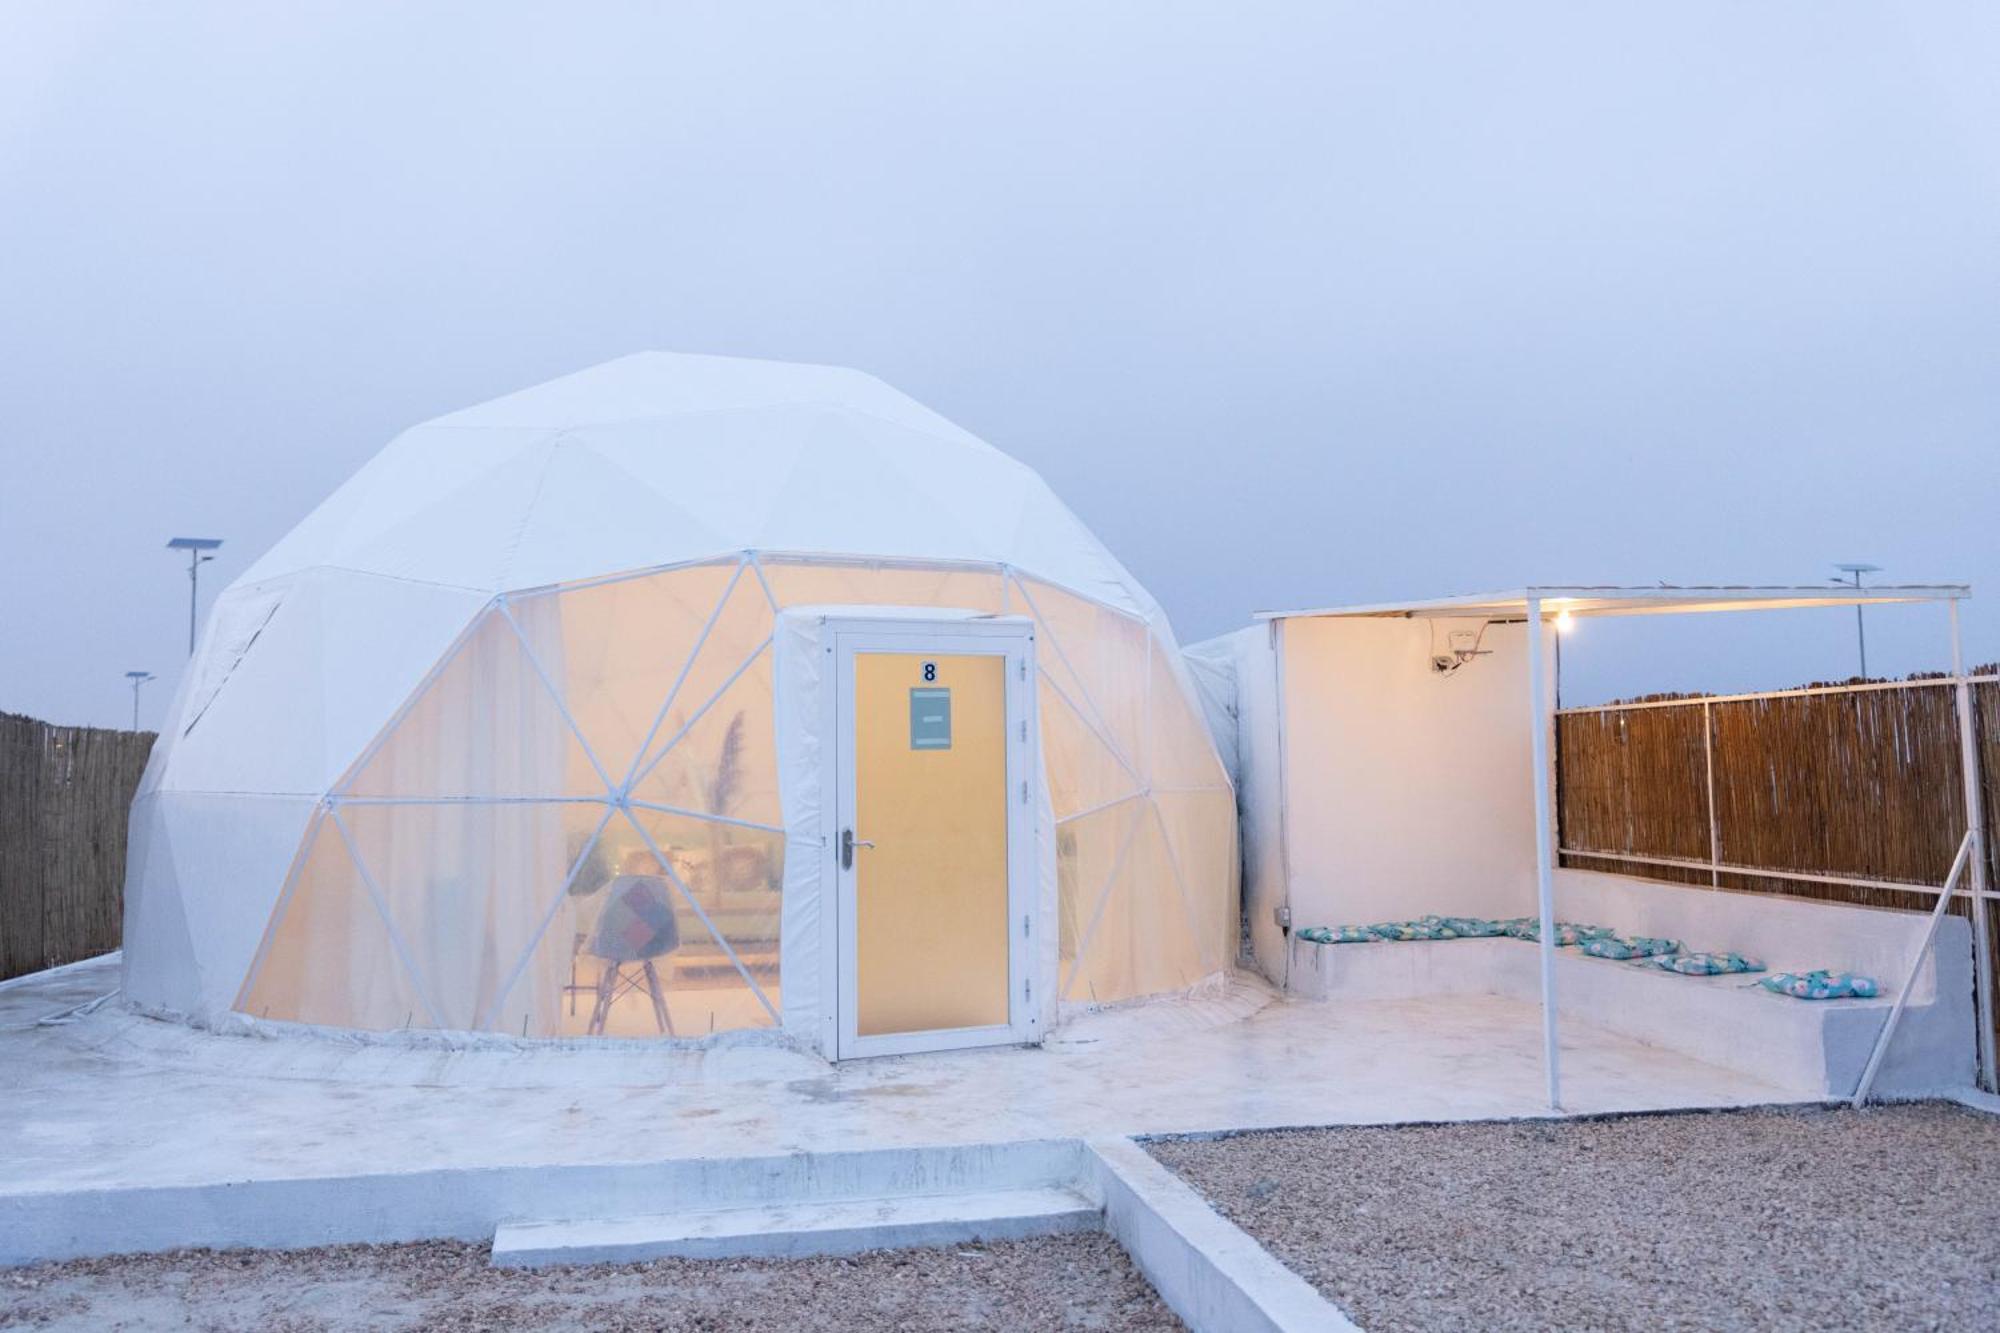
{"points": [[1337, 935], [1435, 927], [1701, 964], [1639, 946], [1431, 927], [1821, 985], [1567, 932], [1408, 930]]}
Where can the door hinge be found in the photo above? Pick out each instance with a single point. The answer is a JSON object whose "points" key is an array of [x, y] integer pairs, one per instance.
{"points": [[1024, 927], [1024, 792], [1028, 989], [1023, 666], [1024, 728]]}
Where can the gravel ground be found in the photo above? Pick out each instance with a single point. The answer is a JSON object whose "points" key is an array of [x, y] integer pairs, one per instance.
{"points": [[1809, 1219], [1056, 1282]]}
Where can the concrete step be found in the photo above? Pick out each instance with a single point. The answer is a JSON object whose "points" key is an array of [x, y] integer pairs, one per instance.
{"points": [[791, 1230]]}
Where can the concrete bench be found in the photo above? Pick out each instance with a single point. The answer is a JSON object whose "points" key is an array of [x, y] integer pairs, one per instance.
{"points": [[1816, 1048]]}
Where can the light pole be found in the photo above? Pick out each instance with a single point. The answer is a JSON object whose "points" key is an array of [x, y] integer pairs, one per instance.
{"points": [[1854, 572], [197, 549], [137, 678]]}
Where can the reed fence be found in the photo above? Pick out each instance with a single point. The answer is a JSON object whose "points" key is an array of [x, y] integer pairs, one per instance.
{"points": [[1848, 793], [65, 797]]}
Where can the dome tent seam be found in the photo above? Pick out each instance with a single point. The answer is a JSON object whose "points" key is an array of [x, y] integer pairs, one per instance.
{"points": [[555, 446]]}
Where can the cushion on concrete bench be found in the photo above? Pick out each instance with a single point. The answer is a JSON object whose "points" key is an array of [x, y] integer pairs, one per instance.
{"points": [[1701, 964], [1409, 930], [1821, 985], [1618, 947], [1338, 935], [1431, 927], [1567, 932], [1473, 927]]}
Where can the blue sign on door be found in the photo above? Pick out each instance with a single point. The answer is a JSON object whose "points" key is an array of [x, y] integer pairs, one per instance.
{"points": [[930, 718]]}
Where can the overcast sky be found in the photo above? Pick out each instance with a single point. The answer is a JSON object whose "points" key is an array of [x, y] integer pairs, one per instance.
{"points": [[1295, 304]]}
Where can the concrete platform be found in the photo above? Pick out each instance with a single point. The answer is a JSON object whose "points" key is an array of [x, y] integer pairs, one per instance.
{"points": [[128, 1133]]}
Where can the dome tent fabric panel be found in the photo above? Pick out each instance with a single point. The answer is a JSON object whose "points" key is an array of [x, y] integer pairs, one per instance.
{"points": [[334, 658], [195, 928], [727, 455], [435, 507], [227, 796], [164, 969], [611, 714]]}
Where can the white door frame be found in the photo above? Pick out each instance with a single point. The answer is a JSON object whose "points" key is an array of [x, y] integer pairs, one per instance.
{"points": [[1009, 637]]}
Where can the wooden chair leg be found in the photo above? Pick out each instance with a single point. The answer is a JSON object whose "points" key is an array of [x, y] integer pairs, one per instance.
{"points": [[606, 981], [660, 1013]]}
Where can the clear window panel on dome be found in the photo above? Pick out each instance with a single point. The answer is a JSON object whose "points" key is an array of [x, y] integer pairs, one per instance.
{"points": [[1083, 773], [470, 887], [1181, 749], [328, 957], [630, 950], [1200, 832], [486, 724], [723, 760], [1140, 941], [1088, 849], [738, 640], [1099, 659], [623, 645]]}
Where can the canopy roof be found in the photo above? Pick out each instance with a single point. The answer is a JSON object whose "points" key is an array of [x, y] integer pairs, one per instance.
{"points": [[1660, 599]]}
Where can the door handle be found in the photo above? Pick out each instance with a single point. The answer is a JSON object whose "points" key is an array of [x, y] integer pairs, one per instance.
{"points": [[848, 842]]}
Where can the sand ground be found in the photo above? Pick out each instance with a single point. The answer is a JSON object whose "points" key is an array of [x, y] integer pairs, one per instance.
{"points": [[1056, 1282]]}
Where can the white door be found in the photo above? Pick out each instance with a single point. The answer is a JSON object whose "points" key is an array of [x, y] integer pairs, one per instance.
{"points": [[934, 835]]}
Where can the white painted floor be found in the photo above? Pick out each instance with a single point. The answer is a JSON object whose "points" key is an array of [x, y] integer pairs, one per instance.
{"points": [[109, 1099]]}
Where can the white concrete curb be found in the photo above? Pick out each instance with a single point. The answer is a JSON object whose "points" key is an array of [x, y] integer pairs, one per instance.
{"points": [[1210, 1272], [792, 1230], [1206, 1268], [471, 1204]]}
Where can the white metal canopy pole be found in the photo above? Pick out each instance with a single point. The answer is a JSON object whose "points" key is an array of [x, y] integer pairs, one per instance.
{"points": [[1975, 823], [1887, 1032], [1545, 872]]}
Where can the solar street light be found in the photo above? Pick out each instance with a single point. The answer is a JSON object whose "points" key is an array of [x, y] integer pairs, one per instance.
{"points": [[1855, 571], [137, 678], [197, 549]]}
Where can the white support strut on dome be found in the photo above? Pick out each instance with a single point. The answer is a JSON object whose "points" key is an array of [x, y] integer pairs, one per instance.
{"points": [[1103, 899], [381, 903], [666, 864], [555, 695], [548, 918], [680, 679]]}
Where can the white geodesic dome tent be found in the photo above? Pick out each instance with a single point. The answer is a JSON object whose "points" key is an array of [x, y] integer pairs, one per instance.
{"points": [[532, 641]]}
